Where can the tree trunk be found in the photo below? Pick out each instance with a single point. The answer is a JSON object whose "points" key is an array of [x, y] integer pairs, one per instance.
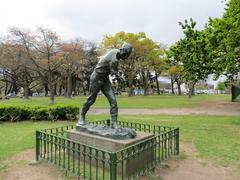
{"points": [[9, 90], [191, 90], [158, 89], [145, 91], [55, 89], [130, 90], [145, 87], [84, 90], [87, 85], [172, 87], [145, 82], [69, 86], [51, 87], [14, 88], [74, 85], [60, 90], [6, 89], [130, 87], [52, 95], [65, 87], [179, 88], [26, 92], [46, 89]]}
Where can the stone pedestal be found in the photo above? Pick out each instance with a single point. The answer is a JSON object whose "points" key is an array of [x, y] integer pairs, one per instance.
{"points": [[131, 164], [106, 143]]}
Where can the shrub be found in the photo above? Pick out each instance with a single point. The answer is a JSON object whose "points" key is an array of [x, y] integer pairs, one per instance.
{"points": [[12, 113], [39, 113], [56, 112]]}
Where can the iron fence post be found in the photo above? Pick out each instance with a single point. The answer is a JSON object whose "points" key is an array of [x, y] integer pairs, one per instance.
{"points": [[177, 141], [113, 166], [108, 122], [37, 145]]}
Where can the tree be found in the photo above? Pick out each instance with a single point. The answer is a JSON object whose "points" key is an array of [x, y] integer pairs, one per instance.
{"points": [[158, 65], [42, 49], [80, 57], [176, 75], [144, 59], [16, 68], [223, 42], [191, 53], [73, 55], [91, 58]]}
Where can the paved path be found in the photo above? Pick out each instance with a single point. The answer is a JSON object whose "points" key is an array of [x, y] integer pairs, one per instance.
{"points": [[170, 111]]}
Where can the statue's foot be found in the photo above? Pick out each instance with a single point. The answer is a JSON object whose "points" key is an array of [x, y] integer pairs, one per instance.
{"points": [[115, 125], [81, 121]]}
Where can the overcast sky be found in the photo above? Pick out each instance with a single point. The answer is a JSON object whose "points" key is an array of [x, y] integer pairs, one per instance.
{"points": [[91, 19]]}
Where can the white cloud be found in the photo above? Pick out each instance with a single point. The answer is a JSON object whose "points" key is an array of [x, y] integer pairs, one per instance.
{"points": [[92, 19]]}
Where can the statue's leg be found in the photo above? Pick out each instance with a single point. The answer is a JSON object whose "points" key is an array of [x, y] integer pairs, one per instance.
{"points": [[94, 88], [109, 93]]}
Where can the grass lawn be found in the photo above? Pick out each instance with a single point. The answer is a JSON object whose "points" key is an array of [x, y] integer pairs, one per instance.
{"points": [[15, 137], [152, 102], [215, 137]]}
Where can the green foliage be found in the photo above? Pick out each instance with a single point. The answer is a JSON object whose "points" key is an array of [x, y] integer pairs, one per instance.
{"points": [[56, 112], [223, 36], [191, 53], [221, 86], [147, 56]]}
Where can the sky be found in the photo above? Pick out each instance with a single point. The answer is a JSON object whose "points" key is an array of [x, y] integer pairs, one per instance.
{"points": [[92, 19]]}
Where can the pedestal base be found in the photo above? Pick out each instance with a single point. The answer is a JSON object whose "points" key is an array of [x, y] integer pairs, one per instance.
{"points": [[130, 165], [106, 143]]}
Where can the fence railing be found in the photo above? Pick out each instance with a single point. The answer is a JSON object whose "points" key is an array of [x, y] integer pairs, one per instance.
{"points": [[88, 162]]}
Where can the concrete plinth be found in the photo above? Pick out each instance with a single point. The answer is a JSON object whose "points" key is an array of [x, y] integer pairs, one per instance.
{"points": [[132, 163], [106, 143]]}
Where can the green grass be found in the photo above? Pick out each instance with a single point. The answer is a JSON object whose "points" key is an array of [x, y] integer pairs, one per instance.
{"points": [[15, 137], [152, 102], [215, 137]]}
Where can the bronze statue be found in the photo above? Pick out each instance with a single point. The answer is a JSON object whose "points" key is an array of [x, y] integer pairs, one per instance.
{"points": [[99, 80]]}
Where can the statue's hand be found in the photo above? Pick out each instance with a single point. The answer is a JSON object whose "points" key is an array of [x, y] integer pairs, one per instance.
{"points": [[119, 79]]}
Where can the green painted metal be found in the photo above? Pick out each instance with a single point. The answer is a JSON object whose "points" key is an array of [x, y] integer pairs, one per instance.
{"points": [[89, 162], [113, 166], [235, 92], [37, 145]]}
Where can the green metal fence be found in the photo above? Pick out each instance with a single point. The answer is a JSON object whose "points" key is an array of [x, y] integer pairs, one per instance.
{"points": [[87, 162]]}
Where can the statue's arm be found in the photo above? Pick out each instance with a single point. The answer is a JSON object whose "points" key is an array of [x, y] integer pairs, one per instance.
{"points": [[114, 68], [114, 72]]}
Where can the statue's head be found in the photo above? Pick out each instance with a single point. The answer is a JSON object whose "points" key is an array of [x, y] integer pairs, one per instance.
{"points": [[125, 51]]}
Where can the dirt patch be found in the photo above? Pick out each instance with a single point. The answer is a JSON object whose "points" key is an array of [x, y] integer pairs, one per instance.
{"points": [[217, 107], [186, 166], [191, 167], [23, 167]]}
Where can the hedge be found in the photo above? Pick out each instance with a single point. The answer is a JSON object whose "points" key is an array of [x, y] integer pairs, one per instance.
{"points": [[53, 113]]}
